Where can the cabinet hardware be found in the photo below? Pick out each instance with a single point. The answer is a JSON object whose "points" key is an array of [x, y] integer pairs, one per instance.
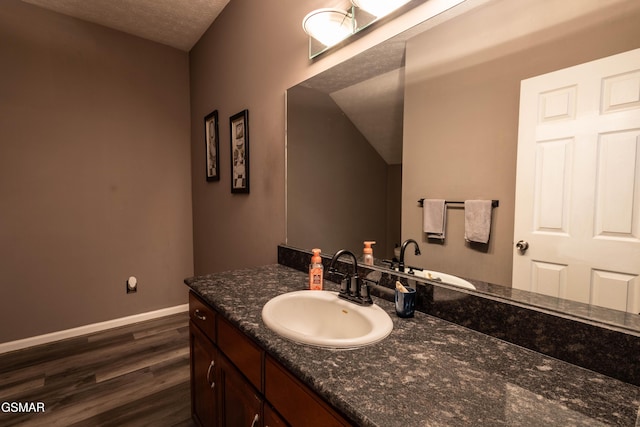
{"points": [[199, 315], [211, 365], [255, 420], [522, 246]]}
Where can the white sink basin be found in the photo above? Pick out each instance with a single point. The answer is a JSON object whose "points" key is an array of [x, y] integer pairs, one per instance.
{"points": [[322, 319], [444, 277]]}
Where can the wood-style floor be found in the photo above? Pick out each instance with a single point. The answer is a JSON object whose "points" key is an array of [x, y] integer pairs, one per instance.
{"points": [[137, 375]]}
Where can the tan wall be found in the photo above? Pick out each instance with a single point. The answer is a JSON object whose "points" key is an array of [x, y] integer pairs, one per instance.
{"points": [[94, 164], [325, 147], [234, 67], [251, 54], [394, 211], [95, 168], [461, 137]]}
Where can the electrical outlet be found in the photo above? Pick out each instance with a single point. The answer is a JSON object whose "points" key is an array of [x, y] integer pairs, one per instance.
{"points": [[132, 285]]}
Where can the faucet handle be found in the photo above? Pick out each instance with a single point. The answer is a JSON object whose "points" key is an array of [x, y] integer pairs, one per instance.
{"points": [[365, 293], [345, 280], [344, 286], [354, 286]]}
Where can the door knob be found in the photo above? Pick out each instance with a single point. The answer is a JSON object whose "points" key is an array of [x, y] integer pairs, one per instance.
{"points": [[522, 246]]}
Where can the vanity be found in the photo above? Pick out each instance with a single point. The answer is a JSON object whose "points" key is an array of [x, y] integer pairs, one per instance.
{"points": [[235, 382], [428, 371]]}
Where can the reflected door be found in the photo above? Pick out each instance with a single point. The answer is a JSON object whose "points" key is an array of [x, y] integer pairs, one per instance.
{"points": [[577, 223]]}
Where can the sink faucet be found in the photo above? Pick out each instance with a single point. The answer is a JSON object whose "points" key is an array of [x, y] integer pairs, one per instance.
{"points": [[352, 287], [402, 249]]}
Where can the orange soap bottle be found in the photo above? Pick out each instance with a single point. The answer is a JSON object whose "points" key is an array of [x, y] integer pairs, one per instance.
{"points": [[367, 253], [316, 271]]}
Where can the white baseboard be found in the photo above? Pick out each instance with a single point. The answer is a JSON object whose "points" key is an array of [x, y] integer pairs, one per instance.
{"points": [[89, 329]]}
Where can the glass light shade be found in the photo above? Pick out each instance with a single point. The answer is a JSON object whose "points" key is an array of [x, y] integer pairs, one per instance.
{"points": [[328, 26], [379, 8]]}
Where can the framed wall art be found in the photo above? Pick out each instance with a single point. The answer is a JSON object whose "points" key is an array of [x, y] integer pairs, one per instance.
{"points": [[212, 145], [240, 152]]}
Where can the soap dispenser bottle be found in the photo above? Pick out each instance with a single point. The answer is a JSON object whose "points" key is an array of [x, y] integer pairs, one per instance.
{"points": [[316, 271], [367, 253]]}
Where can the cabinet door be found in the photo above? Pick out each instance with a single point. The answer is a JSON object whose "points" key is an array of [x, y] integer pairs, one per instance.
{"points": [[240, 405], [203, 379], [271, 418], [299, 405]]}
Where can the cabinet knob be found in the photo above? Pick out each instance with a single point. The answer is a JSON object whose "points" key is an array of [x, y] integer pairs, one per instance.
{"points": [[199, 315]]}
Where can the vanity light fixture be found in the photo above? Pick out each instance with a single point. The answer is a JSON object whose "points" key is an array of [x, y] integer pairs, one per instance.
{"points": [[329, 26], [379, 8]]}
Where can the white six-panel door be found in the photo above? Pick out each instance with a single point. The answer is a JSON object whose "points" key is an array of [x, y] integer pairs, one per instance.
{"points": [[578, 183]]}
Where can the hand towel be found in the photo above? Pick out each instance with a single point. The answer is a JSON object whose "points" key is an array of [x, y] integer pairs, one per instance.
{"points": [[477, 220], [434, 222]]}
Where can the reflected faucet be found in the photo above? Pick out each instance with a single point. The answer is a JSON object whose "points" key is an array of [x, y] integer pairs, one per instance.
{"points": [[402, 249], [352, 287]]}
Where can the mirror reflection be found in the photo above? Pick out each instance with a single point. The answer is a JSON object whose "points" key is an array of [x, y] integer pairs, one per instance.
{"points": [[339, 180], [453, 117]]}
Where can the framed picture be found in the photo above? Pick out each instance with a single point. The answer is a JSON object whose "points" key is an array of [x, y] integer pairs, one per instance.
{"points": [[240, 152], [212, 144]]}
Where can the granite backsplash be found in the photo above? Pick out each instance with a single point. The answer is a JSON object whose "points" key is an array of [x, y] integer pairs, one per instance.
{"points": [[596, 346]]}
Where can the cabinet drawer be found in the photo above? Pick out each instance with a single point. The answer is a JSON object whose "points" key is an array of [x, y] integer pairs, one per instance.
{"points": [[241, 351], [299, 405], [202, 316]]}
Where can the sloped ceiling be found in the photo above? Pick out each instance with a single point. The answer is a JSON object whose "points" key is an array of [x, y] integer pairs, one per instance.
{"points": [[176, 23], [375, 107]]}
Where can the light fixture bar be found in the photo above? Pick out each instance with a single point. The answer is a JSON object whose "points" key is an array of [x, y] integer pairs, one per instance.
{"points": [[329, 26], [379, 8]]}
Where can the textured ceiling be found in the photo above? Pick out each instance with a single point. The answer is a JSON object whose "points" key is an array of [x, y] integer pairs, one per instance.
{"points": [[176, 23]]}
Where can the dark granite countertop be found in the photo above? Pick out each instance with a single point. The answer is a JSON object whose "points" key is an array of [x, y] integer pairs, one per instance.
{"points": [[428, 371]]}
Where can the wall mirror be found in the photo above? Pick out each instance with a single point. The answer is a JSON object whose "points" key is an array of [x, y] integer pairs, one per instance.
{"points": [[471, 59]]}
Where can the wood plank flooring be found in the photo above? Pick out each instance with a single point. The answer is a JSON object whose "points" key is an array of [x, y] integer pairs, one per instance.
{"points": [[136, 375]]}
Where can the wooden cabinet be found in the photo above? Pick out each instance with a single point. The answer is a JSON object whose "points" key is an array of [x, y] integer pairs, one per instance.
{"points": [[203, 316], [296, 402], [204, 375], [240, 404], [241, 351], [204, 361], [271, 418], [235, 383]]}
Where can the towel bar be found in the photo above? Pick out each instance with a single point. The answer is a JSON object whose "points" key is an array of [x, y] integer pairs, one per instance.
{"points": [[494, 203]]}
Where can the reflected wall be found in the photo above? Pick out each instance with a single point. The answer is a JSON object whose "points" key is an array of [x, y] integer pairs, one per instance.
{"points": [[338, 185], [461, 132]]}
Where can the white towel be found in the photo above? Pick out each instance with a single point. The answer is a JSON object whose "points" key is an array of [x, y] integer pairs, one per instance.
{"points": [[477, 220], [434, 221]]}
